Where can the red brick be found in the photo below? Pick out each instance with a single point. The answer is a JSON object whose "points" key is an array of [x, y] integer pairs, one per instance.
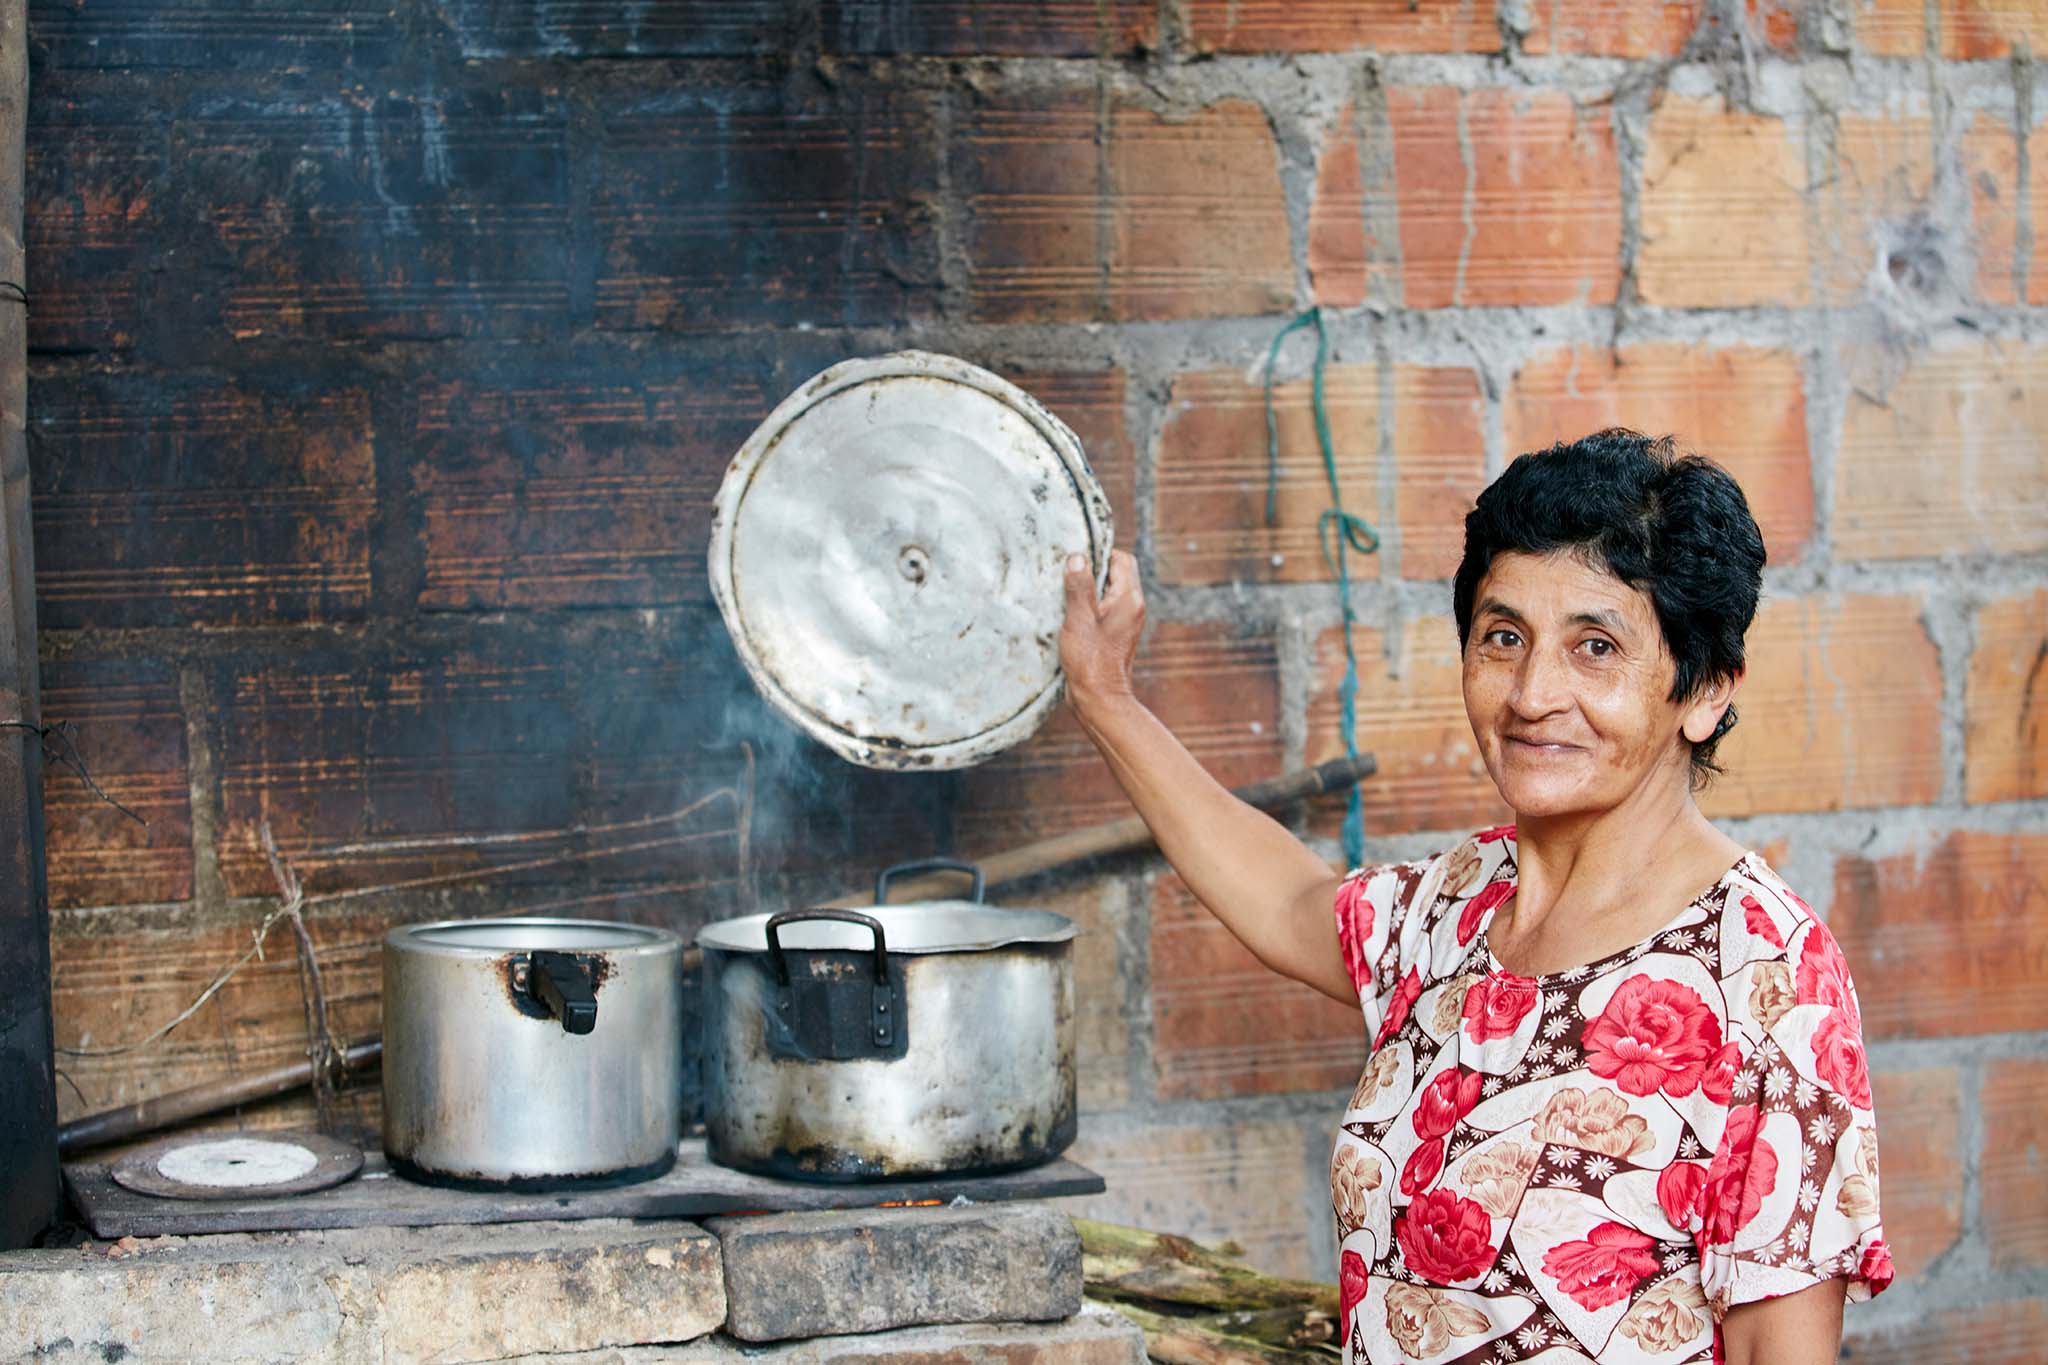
{"points": [[1891, 28], [1723, 211], [1990, 155], [1069, 217], [2005, 705], [818, 214], [1345, 261], [1742, 406], [1883, 173], [1341, 25], [339, 217], [1972, 29], [1774, 23], [1921, 1180], [1951, 461], [129, 731], [89, 217], [1841, 709], [1102, 1026], [333, 752], [1034, 183], [166, 504], [1611, 28], [1091, 402], [1413, 722], [1243, 1182], [573, 494], [1949, 941], [1210, 498], [1224, 1024], [2013, 1163], [1199, 224], [1218, 690], [2006, 1333], [975, 28], [117, 977], [1534, 218]]}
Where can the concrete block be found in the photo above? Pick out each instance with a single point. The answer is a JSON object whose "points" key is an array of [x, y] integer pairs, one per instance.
{"points": [[411, 1294], [1095, 1336], [825, 1274]]}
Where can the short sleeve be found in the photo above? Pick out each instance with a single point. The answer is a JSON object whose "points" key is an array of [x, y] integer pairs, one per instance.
{"points": [[1371, 905], [1790, 1198]]}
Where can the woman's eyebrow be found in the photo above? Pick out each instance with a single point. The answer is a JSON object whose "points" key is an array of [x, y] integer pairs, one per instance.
{"points": [[1607, 619], [1493, 606]]}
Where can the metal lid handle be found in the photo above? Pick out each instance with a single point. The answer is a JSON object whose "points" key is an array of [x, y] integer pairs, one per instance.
{"points": [[973, 870]]}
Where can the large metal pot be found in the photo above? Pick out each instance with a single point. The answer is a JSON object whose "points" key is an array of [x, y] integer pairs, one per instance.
{"points": [[531, 1053], [907, 1040]]}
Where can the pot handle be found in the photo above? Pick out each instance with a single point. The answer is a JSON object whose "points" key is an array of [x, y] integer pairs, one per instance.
{"points": [[930, 865], [562, 983], [867, 922]]}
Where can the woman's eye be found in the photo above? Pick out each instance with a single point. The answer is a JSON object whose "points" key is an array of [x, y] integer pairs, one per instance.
{"points": [[1597, 647], [1502, 637]]}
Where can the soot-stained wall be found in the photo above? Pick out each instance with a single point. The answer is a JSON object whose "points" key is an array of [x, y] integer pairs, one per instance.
{"points": [[385, 357]]}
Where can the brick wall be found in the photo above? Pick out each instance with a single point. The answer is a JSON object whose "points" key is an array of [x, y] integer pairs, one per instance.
{"points": [[385, 355]]}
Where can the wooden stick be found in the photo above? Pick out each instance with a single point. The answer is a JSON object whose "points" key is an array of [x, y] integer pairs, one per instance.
{"points": [[161, 1111], [1119, 836]]}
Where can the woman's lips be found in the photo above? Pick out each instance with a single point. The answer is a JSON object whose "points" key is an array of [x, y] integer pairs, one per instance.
{"points": [[1541, 746]]}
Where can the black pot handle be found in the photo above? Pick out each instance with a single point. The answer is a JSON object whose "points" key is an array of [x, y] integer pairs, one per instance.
{"points": [[930, 865], [867, 922], [561, 983]]}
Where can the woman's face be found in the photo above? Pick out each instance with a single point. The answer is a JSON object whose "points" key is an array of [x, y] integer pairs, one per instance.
{"points": [[1568, 687]]}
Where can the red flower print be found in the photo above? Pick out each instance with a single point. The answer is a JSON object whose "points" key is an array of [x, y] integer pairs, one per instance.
{"points": [[1717, 1082], [1445, 1238], [1490, 895], [1759, 922], [1876, 1266], [1823, 975], [1422, 1166], [1444, 1101], [1603, 1269], [1404, 997], [1743, 1171], [1494, 835], [1838, 1057], [1354, 927], [1653, 1035], [1678, 1191], [1496, 1004], [1352, 1278]]}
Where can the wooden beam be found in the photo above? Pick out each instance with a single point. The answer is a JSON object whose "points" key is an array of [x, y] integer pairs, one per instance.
{"points": [[28, 1096]]}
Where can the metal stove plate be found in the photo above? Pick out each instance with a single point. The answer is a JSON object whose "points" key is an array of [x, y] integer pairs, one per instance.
{"points": [[238, 1165], [889, 550]]}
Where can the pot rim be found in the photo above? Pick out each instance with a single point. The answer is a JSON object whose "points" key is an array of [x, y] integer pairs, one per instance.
{"points": [[434, 937], [1004, 928]]}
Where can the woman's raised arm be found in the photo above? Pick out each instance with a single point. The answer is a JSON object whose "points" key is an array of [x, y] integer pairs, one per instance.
{"points": [[1266, 886]]}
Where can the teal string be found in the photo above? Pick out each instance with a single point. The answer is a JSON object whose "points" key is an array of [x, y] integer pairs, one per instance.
{"points": [[1338, 533]]}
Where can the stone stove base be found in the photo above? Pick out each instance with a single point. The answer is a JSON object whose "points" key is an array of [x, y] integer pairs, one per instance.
{"points": [[959, 1284]]}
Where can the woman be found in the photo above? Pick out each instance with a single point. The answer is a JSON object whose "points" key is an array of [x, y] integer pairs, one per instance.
{"points": [[1616, 1104]]}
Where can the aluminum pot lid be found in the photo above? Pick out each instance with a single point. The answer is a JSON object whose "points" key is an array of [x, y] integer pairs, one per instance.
{"points": [[911, 927], [889, 551], [524, 934]]}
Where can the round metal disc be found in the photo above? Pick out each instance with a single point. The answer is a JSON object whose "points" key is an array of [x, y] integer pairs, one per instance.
{"points": [[238, 1165], [889, 553]]}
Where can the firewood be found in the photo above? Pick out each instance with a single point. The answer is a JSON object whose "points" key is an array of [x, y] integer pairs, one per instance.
{"points": [[1159, 1268]]}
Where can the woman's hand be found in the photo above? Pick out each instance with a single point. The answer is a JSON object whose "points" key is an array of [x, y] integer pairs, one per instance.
{"points": [[1099, 638]]}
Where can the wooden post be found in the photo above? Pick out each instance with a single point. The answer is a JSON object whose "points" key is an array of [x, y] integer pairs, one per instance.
{"points": [[28, 1087]]}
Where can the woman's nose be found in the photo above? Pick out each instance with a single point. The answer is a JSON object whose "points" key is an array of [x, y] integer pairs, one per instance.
{"points": [[1541, 686]]}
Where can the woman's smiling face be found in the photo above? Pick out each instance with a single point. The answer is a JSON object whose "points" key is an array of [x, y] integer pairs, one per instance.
{"points": [[1568, 687]]}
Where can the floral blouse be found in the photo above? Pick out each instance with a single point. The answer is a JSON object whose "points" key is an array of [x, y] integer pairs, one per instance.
{"points": [[1599, 1163]]}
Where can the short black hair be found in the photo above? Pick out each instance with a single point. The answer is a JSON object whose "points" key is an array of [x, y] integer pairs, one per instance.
{"points": [[1673, 525]]}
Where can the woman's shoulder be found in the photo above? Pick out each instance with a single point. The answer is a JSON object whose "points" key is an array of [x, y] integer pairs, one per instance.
{"points": [[1381, 904], [1764, 919]]}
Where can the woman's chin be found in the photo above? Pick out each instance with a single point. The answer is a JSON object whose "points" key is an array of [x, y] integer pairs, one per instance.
{"points": [[1541, 800]]}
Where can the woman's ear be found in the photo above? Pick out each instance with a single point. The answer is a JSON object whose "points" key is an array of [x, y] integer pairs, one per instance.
{"points": [[1702, 718]]}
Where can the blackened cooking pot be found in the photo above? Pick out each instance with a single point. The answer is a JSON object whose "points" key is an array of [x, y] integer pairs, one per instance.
{"points": [[921, 1039], [532, 1053]]}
